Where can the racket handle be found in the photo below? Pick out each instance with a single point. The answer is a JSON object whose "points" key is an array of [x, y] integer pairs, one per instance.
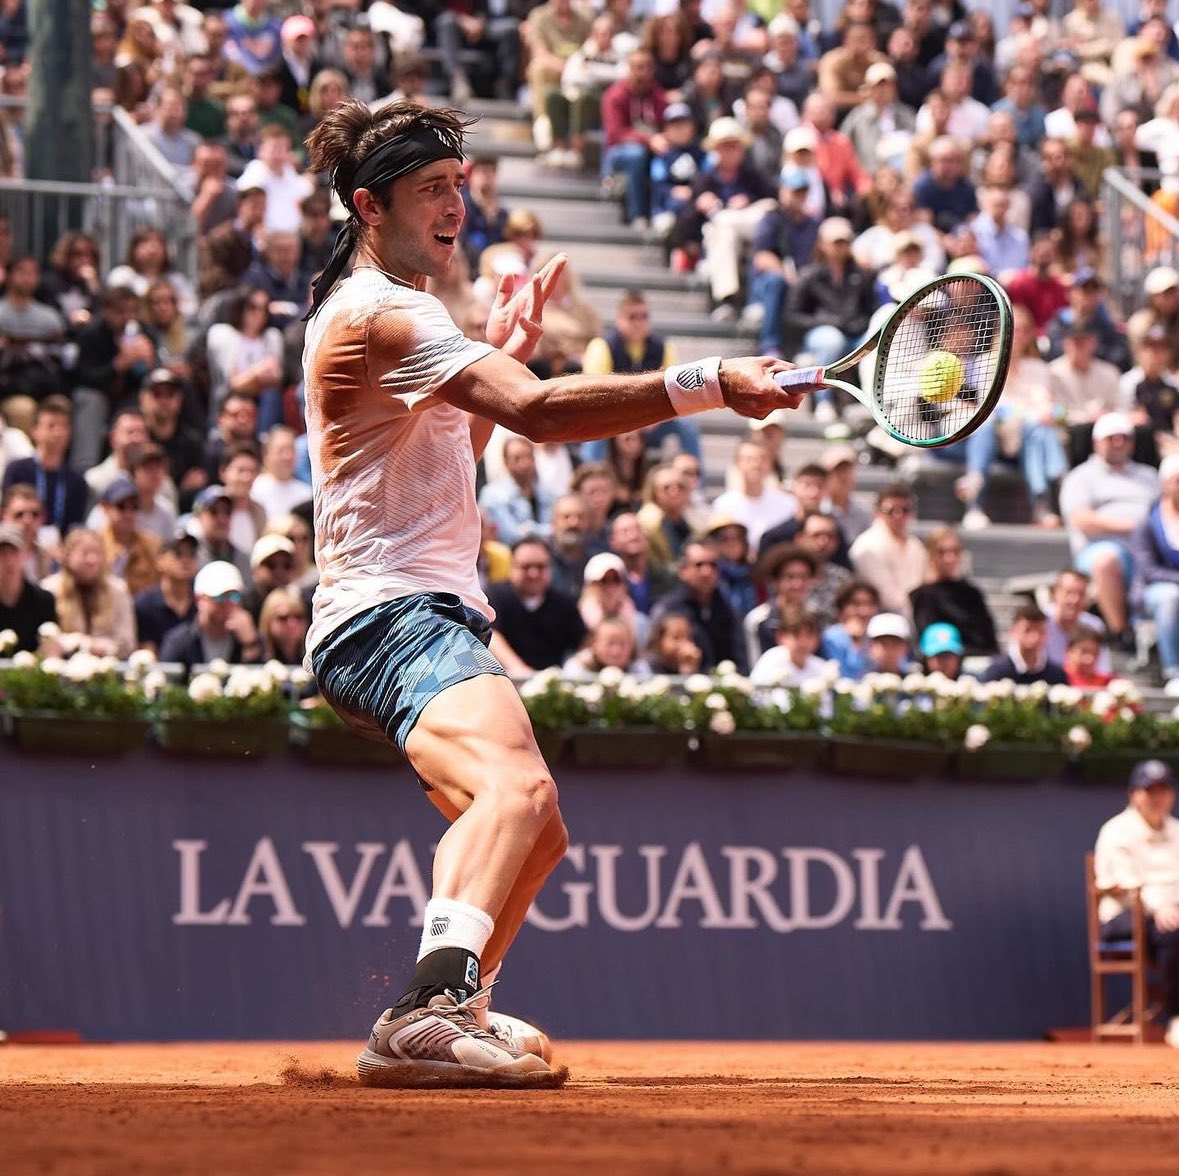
{"points": [[807, 377]]}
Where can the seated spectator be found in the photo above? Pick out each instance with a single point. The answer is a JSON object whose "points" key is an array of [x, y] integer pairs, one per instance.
{"points": [[71, 283], [554, 465], [222, 627], [755, 503], [148, 261], [674, 168], [1102, 501], [716, 629], [570, 323], [611, 644], [632, 113], [943, 192], [879, 125], [668, 38], [212, 510], [490, 31], [167, 132], [846, 641], [1153, 393], [664, 513], [494, 562], [317, 236], [1040, 288], [62, 491], [1154, 546], [1085, 388], [1021, 101], [831, 304], [24, 607], [735, 568], [92, 605], [840, 168], [128, 552], [605, 593], [1087, 303], [245, 356], [161, 401], [888, 637], [672, 648], [1001, 244], [941, 650], [276, 489], [792, 660], [807, 486], [239, 467], [569, 546], [891, 559], [788, 573], [154, 495], [552, 34], [272, 565], [820, 536], [1025, 657], [275, 173], [128, 432], [947, 597], [793, 73], [168, 331], [963, 51], [709, 91], [1161, 287], [1139, 850], [535, 626], [227, 251], [1068, 615], [282, 625], [516, 502], [486, 216], [31, 335], [21, 507], [280, 273], [170, 602], [853, 517], [878, 247], [647, 581], [596, 483], [368, 80], [1081, 660], [783, 244]]}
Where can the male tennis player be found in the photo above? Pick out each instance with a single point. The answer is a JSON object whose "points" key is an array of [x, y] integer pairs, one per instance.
{"points": [[399, 408]]}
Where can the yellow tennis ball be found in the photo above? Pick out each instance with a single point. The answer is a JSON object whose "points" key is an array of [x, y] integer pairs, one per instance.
{"points": [[940, 376]]}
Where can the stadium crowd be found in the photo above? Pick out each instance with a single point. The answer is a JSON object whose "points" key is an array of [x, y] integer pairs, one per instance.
{"points": [[155, 476]]}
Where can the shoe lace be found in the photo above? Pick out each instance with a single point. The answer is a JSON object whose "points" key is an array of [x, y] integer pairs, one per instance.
{"points": [[461, 1013]]}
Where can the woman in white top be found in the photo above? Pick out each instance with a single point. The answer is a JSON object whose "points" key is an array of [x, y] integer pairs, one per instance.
{"points": [[245, 355], [276, 489], [147, 261]]}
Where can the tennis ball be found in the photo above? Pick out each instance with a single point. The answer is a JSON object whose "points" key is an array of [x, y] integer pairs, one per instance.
{"points": [[940, 376]]}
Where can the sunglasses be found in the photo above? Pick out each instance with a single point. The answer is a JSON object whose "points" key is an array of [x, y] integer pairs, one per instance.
{"points": [[227, 598]]}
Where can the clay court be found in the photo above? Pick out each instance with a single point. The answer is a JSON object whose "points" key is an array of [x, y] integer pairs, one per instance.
{"points": [[629, 1108]]}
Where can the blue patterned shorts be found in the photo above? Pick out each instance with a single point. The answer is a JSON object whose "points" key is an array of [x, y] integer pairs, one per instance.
{"points": [[379, 669]]}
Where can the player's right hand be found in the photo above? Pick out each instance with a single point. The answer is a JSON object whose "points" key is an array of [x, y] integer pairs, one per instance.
{"points": [[750, 390]]}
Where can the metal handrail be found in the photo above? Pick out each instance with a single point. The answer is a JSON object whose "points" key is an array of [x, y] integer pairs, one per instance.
{"points": [[1115, 179], [148, 154], [76, 188]]}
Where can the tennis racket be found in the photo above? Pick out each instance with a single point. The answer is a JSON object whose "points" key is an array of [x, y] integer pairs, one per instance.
{"points": [[941, 361]]}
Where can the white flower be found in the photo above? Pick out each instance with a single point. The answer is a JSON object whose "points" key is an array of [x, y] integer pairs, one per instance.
{"points": [[698, 684], [546, 677], [1103, 701], [591, 695], [205, 687], [844, 685], [1058, 695], [976, 737], [277, 671], [1127, 713], [48, 631], [1078, 738], [82, 667], [813, 687], [722, 723], [300, 678], [862, 695], [108, 664], [141, 660], [830, 673], [736, 682], [533, 687], [1123, 688], [660, 684], [219, 666], [24, 660], [1175, 712], [630, 688], [914, 683], [724, 668], [716, 702], [54, 665], [1038, 691], [611, 677], [154, 681], [8, 640]]}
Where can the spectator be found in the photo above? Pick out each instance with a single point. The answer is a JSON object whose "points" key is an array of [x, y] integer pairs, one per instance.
{"points": [[843, 71], [169, 134], [149, 472], [91, 603], [595, 481], [1039, 288], [221, 627], [791, 661], [1025, 658], [807, 486], [891, 559], [492, 31], [205, 113], [147, 261], [941, 650], [1102, 502], [674, 167], [1139, 850], [1087, 303], [888, 637], [846, 642], [24, 607], [128, 552], [1156, 564], [853, 517], [298, 530], [820, 537], [62, 492], [755, 503], [282, 625], [708, 92], [1001, 244], [229, 250], [943, 192], [535, 626], [280, 274], [1021, 102], [552, 33], [948, 597], [1084, 388], [211, 512], [667, 38], [486, 217], [30, 335], [831, 304], [166, 328], [253, 36], [240, 465], [241, 134], [611, 643], [647, 580], [71, 283], [1161, 287], [735, 568], [21, 508], [626, 456], [245, 356], [880, 127], [789, 575], [880, 246], [835, 156], [605, 596], [664, 513], [274, 172], [1085, 649], [368, 82], [716, 629], [272, 565], [913, 85], [1068, 615], [516, 502], [276, 489], [161, 399], [297, 66], [1152, 392], [1055, 188], [783, 245], [127, 430], [966, 118], [672, 648], [569, 547]]}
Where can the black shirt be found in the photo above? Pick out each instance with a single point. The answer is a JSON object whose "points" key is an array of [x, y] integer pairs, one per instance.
{"points": [[543, 636], [958, 603], [154, 618], [1003, 667], [715, 627], [34, 606]]}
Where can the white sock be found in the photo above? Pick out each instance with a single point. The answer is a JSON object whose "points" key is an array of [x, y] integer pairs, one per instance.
{"points": [[448, 923]]}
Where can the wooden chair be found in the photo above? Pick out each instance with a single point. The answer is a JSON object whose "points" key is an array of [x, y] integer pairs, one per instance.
{"points": [[1121, 957]]}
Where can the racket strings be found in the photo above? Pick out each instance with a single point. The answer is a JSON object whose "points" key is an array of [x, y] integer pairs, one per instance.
{"points": [[938, 365]]}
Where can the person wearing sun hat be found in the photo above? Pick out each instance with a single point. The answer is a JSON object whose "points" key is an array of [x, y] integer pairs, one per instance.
{"points": [[941, 649], [1161, 287]]}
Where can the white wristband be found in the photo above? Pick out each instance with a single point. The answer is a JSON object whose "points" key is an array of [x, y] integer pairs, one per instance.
{"points": [[694, 387]]}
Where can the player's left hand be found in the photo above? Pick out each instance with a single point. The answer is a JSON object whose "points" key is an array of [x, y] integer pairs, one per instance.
{"points": [[514, 324]]}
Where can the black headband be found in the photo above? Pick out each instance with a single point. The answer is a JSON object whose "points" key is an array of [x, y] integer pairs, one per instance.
{"points": [[423, 144]]}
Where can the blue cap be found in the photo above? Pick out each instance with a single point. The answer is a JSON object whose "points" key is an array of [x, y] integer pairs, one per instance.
{"points": [[1152, 772], [676, 112], [794, 178], [210, 495], [120, 490], [941, 638]]}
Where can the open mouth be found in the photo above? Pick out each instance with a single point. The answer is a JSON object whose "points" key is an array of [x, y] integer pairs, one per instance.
{"points": [[445, 238]]}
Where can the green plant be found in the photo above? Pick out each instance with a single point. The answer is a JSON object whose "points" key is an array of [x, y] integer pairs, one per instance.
{"points": [[246, 692], [82, 686]]}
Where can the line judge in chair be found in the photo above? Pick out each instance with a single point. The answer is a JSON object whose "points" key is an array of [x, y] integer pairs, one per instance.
{"points": [[1139, 849]]}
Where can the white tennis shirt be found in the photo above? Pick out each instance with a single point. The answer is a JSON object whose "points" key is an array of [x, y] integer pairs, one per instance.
{"points": [[391, 464]]}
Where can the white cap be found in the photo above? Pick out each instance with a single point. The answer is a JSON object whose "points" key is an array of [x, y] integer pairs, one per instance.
{"points": [[598, 565], [888, 625], [879, 71], [1113, 424], [217, 578], [782, 23], [1162, 277], [725, 129], [1169, 467], [800, 139], [270, 545]]}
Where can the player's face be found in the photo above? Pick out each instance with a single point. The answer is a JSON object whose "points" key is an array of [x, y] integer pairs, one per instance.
{"points": [[419, 234]]}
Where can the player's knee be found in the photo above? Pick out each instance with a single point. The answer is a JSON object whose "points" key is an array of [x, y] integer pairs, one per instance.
{"points": [[529, 795]]}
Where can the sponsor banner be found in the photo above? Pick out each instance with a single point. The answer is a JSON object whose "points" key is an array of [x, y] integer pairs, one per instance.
{"points": [[150, 898]]}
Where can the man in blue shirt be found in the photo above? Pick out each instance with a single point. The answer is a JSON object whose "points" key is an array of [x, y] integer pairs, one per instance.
{"points": [[943, 191], [1002, 245]]}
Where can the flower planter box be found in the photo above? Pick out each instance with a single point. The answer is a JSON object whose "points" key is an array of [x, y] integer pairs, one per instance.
{"points": [[341, 745], [1115, 766], [642, 747], [896, 759], [1011, 761], [85, 735], [221, 737], [781, 751]]}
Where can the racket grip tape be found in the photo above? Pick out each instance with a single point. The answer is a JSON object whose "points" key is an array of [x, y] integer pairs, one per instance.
{"points": [[807, 377]]}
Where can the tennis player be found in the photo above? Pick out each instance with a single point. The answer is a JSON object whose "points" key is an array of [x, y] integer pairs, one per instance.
{"points": [[399, 408]]}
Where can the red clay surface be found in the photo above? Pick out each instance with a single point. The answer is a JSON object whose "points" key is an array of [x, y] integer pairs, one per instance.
{"points": [[642, 1108]]}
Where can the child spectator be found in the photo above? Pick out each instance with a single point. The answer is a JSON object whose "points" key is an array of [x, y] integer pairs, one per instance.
{"points": [[1025, 659], [888, 643], [672, 648], [1085, 648], [611, 644], [846, 641], [941, 650], [791, 661], [674, 168]]}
